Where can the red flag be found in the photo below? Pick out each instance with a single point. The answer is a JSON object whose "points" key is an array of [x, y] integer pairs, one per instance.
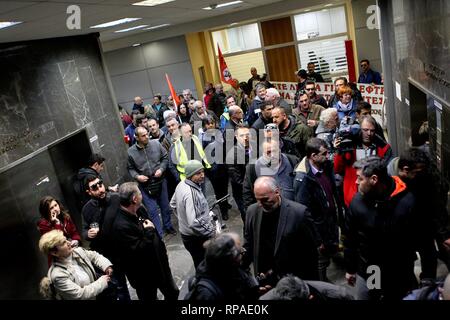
{"points": [[176, 100], [225, 74]]}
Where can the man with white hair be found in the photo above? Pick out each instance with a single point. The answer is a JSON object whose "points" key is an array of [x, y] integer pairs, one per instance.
{"points": [[187, 96], [200, 114], [328, 125], [273, 96]]}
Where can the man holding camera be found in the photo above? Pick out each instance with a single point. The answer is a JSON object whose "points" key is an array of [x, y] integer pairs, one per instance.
{"points": [[147, 162], [367, 144]]}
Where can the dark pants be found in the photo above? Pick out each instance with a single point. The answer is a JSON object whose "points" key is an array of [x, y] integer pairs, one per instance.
{"points": [[194, 245], [147, 290], [428, 257], [122, 289], [238, 191], [219, 181], [146, 293], [152, 203]]}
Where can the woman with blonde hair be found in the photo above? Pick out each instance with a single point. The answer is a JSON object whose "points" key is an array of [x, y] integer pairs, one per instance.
{"points": [[71, 275], [55, 217]]}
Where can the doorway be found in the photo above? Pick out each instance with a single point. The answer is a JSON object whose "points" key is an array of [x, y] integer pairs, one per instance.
{"points": [[418, 114], [47, 172]]}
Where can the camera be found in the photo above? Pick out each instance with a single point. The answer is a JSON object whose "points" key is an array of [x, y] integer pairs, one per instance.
{"points": [[348, 132]]}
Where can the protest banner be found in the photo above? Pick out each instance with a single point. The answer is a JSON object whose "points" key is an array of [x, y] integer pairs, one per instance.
{"points": [[373, 94]]}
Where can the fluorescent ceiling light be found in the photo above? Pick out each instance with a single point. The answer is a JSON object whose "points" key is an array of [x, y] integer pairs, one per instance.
{"points": [[132, 28], [136, 44], [328, 5], [226, 4], [151, 3], [157, 27], [114, 23], [6, 24]]}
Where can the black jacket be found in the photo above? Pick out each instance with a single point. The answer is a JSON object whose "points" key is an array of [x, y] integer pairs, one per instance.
{"points": [[380, 233], [236, 161], [310, 193], [295, 246], [102, 211], [142, 255], [260, 123], [232, 284], [284, 177]]}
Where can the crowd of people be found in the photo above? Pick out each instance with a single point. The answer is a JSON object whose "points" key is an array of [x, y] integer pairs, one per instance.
{"points": [[312, 182]]}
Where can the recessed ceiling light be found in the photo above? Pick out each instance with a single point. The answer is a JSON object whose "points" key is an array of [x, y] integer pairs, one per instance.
{"points": [[151, 3], [6, 24], [132, 28], [136, 44], [217, 6], [157, 27], [114, 23]]}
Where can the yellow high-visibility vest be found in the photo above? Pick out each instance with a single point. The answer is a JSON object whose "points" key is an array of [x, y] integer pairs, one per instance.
{"points": [[182, 158]]}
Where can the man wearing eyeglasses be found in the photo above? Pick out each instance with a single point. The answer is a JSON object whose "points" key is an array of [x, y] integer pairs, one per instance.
{"points": [[315, 98], [102, 210], [368, 75]]}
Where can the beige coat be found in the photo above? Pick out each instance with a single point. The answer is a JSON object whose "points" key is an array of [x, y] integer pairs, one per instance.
{"points": [[64, 279]]}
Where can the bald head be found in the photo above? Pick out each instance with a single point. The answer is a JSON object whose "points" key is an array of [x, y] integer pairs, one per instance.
{"points": [[198, 106], [267, 193], [138, 101]]}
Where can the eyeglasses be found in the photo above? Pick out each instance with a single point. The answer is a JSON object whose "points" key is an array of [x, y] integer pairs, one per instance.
{"points": [[310, 89], [97, 185], [270, 126]]}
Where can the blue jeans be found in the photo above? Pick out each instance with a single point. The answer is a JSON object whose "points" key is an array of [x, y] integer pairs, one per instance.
{"points": [[152, 203]]}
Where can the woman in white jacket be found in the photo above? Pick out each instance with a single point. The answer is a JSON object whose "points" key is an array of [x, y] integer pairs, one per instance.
{"points": [[72, 275]]}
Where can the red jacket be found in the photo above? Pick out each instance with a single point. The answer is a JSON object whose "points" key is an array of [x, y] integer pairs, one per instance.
{"points": [[343, 165], [67, 227]]}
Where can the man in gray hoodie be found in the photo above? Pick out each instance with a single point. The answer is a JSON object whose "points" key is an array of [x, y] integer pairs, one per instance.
{"points": [[195, 223]]}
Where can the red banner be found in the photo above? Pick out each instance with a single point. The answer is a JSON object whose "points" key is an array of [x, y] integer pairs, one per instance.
{"points": [[225, 74]]}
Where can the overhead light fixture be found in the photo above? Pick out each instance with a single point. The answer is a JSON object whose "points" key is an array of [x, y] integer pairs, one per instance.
{"points": [[306, 10], [6, 24], [132, 28], [151, 3], [115, 23], [226, 4], [328, 5], [232, 24], [157, 27], [136, 44]]}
